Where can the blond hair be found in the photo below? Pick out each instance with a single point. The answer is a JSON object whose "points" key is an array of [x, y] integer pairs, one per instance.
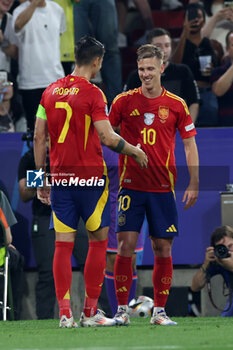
{"points": [[148, 51]]}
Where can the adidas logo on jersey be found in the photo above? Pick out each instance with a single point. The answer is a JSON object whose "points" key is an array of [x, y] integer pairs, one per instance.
{"points": [[135, 112], [171, 229]]}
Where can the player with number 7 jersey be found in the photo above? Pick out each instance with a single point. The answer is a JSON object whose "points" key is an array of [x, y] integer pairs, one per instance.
{"points": [[75, 149]]}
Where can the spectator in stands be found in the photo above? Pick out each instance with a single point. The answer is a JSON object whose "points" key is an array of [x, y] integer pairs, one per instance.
{"points": [[42, 240], [38, 24], [213, 263], [99, 18], [177, 78], [222, 86], [144, 9], [6, 93], [219, 20], [192, 50], [8, 60], [214, 30], [8, 39], [16, 260]]}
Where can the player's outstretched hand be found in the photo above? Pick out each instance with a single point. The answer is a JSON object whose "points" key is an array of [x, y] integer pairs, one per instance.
{"points": [[141, 157], [43, 194]]}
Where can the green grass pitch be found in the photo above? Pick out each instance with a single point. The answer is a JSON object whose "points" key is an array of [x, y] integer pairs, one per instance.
{"points": [[213, 333]]}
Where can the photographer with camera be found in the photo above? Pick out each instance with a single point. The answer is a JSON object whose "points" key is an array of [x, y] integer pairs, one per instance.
{"points": [[218, 260]]}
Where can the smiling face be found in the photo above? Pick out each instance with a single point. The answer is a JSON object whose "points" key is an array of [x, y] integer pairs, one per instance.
{"points": [[149, 71]]}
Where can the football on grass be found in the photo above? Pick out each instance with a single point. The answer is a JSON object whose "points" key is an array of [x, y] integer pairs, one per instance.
{"points": [[141, 306]]}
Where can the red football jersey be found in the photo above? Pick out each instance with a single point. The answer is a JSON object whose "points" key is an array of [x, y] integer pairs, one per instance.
{"points": [[71, 106], [152, 123]]}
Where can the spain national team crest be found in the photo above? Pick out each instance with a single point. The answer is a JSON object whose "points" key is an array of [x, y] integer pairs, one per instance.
{"points": [[163, 113], [149, 118], [121, 219]]}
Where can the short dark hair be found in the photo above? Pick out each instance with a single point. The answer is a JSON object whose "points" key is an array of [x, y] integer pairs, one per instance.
{"points": [[198, 6], [153, 33], [87, 49], [148, 51], [219, 233], [227, 37], [207, 6]]}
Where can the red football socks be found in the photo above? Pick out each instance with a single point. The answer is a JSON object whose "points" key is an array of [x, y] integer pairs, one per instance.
{"points": [[94, 275], [123, 275], [162, 278], [62, 272]]}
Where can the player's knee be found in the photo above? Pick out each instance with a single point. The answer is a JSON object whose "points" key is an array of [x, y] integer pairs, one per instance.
{"points": [[126, 248], [162, 248]]}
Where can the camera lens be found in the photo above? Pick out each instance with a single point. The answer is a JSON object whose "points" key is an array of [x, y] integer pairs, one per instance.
{"points": [[221, 251]]}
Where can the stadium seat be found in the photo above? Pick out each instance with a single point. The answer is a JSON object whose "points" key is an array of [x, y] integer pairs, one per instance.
{"points": [[6, 291], [170, 20]]}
